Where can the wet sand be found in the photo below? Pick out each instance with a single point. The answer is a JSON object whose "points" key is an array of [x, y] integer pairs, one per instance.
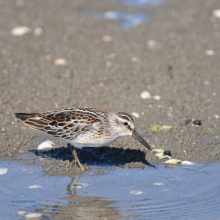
{"points": [[177, 69]]}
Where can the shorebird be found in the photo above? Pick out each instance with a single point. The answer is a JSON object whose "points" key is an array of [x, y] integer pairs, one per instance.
{"points": [[83, 127]]}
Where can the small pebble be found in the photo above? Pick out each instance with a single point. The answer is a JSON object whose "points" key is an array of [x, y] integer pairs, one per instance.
{"points": [[38, 31], [135, 114], [3, 171], [216, 13], [197, 122], [145, 95], [136, 192], [107, 38], [46, 146], [60, 62], [21, 212], [167, 152], [20, 151], [35, 187], [172, 161], [187, 163], [156, 97], [20, 31], [210, 52], [33, 215], [158, 184]]}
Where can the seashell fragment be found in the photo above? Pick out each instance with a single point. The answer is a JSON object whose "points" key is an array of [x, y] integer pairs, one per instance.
{"points": [[151, 44], [145, 95], [172, 161], [156, 97], [21, 212], [136, 192], [107, 38], [38, 31], [216, 13], [135, 114], [158, 150], [60, 62], [33, 215], [165, 156], [210, 52], [187, 163], [20, 31], [159, 155], [46, 146], [3, 171], [35, 187]]}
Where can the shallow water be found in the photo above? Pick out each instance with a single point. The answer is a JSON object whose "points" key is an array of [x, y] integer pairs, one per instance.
{"points": [[163, 193]]}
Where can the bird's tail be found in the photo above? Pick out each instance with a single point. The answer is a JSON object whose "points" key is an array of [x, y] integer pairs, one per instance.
{"points": [[34, 120]]}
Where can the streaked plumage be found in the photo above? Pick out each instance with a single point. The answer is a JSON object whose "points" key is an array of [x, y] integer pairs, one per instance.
{"points": [[83, 127]]}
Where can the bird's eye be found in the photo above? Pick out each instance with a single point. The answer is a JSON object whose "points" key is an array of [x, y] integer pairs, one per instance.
{"points": [[126, 123]]}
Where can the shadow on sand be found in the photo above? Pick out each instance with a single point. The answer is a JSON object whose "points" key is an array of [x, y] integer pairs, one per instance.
{"points": [[101, 156]]}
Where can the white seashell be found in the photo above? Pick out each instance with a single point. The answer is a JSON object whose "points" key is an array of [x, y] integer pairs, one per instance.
{"points": [[38, 31], [60, 62], [159, 155], [21, 212], [172, 161], [158, 150], [165, 156], [135, 114], [158, 184], [210, 52], [33, 215], [216, 13], [151, 44], [136, 192], [145, 95], [20, 31], [187, 163], [156, 97], [46, 146], [35, 187], [107, 38], [134, 59], [3, 171]]}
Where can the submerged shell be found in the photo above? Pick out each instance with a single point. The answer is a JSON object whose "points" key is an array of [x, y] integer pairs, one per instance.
{"points": [[33, 215], [136, 192], [34, 187], [3, 171], [46, 146]]}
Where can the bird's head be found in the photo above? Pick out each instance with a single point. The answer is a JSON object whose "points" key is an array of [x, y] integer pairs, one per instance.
{"points": [[124, 124]]}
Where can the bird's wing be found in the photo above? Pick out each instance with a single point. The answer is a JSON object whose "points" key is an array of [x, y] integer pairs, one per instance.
{"points": [[64, 123]]}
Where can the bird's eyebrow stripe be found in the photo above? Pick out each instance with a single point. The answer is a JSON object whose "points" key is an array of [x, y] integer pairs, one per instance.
{"points": [[126, 116]]}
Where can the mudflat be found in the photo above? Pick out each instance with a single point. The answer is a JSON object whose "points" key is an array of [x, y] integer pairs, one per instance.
{"points": [[174, 54]]}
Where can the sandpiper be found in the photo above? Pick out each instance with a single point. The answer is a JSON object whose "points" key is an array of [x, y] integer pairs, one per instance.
{"points": [[83, 127]]}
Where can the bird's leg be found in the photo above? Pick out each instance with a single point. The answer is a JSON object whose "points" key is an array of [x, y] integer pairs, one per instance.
{"points": [[74, 153]]}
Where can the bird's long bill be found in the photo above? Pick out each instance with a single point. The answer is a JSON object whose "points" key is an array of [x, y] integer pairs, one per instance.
{"points": [[138, 137]]}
